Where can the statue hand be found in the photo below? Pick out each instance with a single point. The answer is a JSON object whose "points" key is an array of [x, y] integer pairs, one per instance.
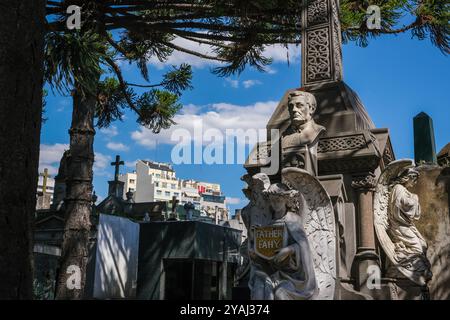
{"points": [[282, 254]]}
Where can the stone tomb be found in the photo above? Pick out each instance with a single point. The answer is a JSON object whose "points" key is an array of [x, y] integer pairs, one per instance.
{"points": [[164, 260]]}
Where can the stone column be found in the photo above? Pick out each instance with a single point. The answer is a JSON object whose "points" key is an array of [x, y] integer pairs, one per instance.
{"points": [[321, 43], [366, 256]]}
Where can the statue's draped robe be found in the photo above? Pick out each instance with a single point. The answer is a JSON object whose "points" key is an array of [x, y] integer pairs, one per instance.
{"points": [[404, 209], [293, 278]]}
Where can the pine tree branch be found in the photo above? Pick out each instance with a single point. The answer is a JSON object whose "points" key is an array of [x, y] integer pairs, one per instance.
{"points": [[123, 85], [193, 53]]}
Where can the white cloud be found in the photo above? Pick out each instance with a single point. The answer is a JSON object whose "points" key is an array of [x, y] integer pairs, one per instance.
{"points": [[50, 157], [131, 164], [180, 57], [246, 83], [63, 103], [110, 132], [277, 52], [233, 83], [117, 146], [145, 137], [102, 162], [280, 53], [250, 83], [271, 70], [219, 116], [231, 200]]}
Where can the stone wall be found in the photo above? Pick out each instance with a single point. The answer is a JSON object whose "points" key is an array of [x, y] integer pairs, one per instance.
{"points": [[434, 225]]}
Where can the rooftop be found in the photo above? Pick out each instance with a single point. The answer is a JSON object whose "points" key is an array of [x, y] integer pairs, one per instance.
{"points": [[158, 165]]}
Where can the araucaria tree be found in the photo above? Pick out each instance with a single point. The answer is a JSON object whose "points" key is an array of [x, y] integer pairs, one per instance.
{"points": [[85, 65], [136, 30]]}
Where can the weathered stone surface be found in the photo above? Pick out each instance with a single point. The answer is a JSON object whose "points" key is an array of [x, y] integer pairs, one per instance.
{"points": [[435, 227]]}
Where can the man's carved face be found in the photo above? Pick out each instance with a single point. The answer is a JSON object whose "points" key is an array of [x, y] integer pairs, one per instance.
{"points": [[299, 109]]}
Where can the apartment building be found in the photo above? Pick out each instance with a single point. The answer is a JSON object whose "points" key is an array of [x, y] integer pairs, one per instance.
{"points": [[207, 197], [130, 182], [157, 181]]}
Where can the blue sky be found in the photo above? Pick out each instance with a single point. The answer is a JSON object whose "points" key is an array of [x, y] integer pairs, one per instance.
{"points": [[396, 77]]}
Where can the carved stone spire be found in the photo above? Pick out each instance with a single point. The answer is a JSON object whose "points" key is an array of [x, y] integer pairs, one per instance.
{"points": [[321, 42]]}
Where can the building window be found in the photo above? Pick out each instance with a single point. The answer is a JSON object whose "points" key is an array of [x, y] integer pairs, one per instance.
{"points": [[132, 181], [158, 192], [167, 194], [164, 184], [157, 184], [131, 189], [176, 194], [158, 175], [173, 185]]}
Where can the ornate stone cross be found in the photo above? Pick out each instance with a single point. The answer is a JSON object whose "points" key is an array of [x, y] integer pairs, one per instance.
{"points": [[117, 165], [321, 42]]}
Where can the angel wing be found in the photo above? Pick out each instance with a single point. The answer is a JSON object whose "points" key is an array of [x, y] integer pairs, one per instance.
{"points": [[381, 214], [318, 217]]}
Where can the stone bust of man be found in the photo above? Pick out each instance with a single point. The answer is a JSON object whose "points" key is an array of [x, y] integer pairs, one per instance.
{"points": [[299, 141], [303, 130]]}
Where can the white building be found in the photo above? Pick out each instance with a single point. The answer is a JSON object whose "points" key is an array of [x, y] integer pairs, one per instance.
{"points": [[157, 181], [130, 180], [207, 197], [152, 181]]}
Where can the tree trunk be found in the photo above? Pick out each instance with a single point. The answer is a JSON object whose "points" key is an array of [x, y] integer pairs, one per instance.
{"points": [[21, 79], [78, 202]]}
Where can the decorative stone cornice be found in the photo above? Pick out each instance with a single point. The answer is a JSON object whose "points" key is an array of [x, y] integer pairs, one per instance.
{"points": [[344, 143], [363, 182], [347, 165]]}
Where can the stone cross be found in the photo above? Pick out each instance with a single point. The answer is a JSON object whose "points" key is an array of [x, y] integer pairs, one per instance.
{"points": [[117, 165], [424, 144], [45, 176], [321, 43]]}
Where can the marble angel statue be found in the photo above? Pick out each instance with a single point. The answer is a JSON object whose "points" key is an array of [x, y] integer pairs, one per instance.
{"points": [[395, 211], [293, 255], [255, 213]]}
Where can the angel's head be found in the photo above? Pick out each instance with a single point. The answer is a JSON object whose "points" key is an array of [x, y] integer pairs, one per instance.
{"points": [[407, 177], [281, 199], [258, 184]]}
